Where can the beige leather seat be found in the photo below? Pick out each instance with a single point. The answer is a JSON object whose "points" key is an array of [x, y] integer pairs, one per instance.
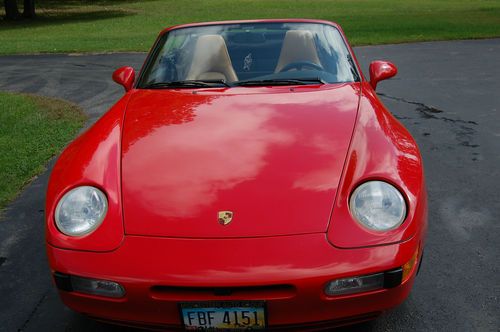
{"points": [[298, 45], [211, 60]]}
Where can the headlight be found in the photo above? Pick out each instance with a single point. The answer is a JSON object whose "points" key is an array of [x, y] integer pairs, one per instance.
{"points": [[81, 210], [378, 206]]}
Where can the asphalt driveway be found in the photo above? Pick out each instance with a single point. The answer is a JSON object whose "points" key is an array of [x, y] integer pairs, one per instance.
{"points": [[446, 93]]}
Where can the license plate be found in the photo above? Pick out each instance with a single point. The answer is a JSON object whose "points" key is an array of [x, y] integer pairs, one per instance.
{"points": [[227, 315]]}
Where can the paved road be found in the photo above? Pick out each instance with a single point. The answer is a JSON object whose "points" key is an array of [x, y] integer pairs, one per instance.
{"points": [[446, 93]]}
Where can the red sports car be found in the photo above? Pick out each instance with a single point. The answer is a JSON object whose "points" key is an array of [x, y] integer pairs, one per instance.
{"points": [[249, 178]]}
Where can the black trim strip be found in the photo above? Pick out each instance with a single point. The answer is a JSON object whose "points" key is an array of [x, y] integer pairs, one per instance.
{"points": [[63, 281], [393, 278]]}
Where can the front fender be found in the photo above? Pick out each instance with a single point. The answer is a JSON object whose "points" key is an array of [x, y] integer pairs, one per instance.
{"points": [[381, 149], [93, 159]]}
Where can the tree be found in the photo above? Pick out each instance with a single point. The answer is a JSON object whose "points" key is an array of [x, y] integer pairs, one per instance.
{"points": [[12, 12], [29, 9]]}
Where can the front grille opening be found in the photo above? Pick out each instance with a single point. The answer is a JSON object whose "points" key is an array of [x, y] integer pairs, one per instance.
{"points": [[269, 292]]}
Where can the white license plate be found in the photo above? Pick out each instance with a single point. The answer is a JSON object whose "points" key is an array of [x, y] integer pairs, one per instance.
{"points": [[224, 315]]}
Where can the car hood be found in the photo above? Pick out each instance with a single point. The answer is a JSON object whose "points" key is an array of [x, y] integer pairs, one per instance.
{"points": [[273, 157]]}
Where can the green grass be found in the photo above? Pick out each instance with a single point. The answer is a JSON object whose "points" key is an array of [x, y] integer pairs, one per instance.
{"points": [[32, 130], [132, 25]]}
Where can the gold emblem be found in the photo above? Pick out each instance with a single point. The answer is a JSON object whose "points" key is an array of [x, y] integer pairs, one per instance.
{"points": [[225, 217]]}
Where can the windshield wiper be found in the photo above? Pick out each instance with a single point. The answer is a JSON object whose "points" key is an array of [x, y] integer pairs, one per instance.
{"points": [[186, 84], [282, 81]]}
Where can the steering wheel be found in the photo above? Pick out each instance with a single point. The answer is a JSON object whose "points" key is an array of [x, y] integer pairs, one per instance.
{"points": [[301, 64]]}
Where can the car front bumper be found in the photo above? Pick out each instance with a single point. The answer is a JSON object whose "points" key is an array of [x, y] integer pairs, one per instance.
{"points": [[288, 272]]}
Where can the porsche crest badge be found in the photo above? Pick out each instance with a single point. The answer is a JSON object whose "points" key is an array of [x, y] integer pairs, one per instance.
{"points": [[225, 217]]}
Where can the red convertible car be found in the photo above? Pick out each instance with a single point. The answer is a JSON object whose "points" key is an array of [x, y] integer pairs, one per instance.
{"points": [[249, 178]]}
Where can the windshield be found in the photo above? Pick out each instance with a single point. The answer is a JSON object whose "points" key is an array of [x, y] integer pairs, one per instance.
{"points": [[249, 54]]}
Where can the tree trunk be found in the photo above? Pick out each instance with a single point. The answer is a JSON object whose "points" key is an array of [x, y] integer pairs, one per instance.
{"points": [[29, 9], [11, 11]]}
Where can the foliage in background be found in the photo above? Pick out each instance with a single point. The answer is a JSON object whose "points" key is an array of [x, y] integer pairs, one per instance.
{"points": [[33, 129], [132, 25], [12, 10]]}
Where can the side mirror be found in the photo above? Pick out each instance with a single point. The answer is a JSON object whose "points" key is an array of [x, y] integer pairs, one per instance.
{"points": [[124, 76], [381, 70]]}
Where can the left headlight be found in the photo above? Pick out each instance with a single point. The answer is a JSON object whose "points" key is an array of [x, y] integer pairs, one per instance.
{"points": [[378, 205], [81, 210]]}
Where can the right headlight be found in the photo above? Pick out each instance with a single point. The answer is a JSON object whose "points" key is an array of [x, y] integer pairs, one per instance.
{"points": [[81, 210], [377, 205]]}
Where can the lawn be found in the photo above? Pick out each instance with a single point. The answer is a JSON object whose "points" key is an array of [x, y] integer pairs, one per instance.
{"points": [[132, 25], [32, 130]]}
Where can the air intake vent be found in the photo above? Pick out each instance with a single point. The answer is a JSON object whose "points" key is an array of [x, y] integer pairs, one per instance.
{"points": [[267, 292]]}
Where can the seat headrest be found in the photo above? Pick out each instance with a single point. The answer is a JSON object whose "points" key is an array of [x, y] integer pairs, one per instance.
{"points": [[211, 60], [298, 45]]}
